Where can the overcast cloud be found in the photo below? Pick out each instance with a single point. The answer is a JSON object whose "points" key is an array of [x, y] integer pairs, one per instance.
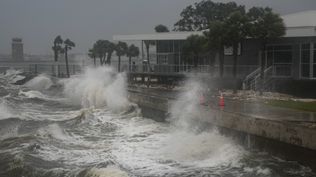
{"points": [[85, 21]]}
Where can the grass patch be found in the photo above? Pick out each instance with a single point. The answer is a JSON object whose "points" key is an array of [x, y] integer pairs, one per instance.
{"points": [[298, 105]]}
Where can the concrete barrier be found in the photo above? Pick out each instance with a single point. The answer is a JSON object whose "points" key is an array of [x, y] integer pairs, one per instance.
{"points": [[289, 140]]}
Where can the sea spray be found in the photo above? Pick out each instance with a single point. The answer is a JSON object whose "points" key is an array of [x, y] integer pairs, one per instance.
{"points": [[12, 76], [39, 83], [97, 87], [186, 107], [5, 110], [189, 143]]}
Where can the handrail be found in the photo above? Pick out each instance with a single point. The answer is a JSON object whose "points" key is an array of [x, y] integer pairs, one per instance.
{"points": [[252, 74]]}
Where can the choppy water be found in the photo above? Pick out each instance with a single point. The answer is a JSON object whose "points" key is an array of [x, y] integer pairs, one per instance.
{"points": [[84, 126]]}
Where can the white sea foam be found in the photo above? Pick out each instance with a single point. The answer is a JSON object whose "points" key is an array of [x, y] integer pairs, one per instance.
{"points": [[110, 171], [207, 149], [33, 94], [97, 87], [5, 111], [41, 82], [12, 76], [53, 130], [186, 107]]}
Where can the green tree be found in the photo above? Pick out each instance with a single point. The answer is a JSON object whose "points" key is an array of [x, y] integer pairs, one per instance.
{"points": [[265, 25], [161, 29], [58, 41], [236, 30], [109, 50], [68, 45], [93, 55], [121, 49], [194, 46], [100, 49], [217, 39], [197, 17], [132, 51]]}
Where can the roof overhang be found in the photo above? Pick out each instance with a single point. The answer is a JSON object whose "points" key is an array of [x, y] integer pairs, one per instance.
{"points": [[301, 24], [156, 36], [303, 31]]}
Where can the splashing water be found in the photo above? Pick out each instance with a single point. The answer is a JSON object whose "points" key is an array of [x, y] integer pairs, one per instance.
{"points": [[185, 108], [85, 127], [40, 83], [188, 143], [97, 87], [5, 111]]}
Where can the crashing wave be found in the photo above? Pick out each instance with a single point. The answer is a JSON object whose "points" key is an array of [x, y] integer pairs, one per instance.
{"points": [[40, 83], [97, 87]]}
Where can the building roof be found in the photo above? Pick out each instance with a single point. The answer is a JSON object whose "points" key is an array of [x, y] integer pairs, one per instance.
{"points": [[301, 24], [156, 36], [300, 19]]}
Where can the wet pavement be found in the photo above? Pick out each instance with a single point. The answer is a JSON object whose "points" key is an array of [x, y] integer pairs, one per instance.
{"points": [[263, 111], [249, 108]]}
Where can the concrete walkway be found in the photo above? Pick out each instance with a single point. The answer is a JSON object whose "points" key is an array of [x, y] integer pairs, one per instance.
{"points": [[252, 109], [263, 111]]}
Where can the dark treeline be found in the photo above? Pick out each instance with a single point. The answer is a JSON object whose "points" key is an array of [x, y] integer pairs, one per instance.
{"points": [[104, 49], [228, 24]]}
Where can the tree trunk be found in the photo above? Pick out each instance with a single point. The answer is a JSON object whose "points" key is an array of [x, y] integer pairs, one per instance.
{"points": [[148, 59], [235, 55], [108, 60], [66, 59], [101, 63], [147, 51], [94, 62], [103, 59], [196, 60], [129, 64], [221, 61], [212, 63], [119, 64]]}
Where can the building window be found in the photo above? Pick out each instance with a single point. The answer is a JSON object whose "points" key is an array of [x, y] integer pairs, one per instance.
{"points": [[314, 61], [305, 60], [280, 57]]}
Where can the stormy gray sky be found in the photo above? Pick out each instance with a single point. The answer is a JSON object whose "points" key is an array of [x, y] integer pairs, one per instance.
{"points": [[85, 21]]}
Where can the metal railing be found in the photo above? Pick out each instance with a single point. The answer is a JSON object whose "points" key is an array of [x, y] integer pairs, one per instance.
{"points": [[252, 81], [49, 68], [213, 71]]}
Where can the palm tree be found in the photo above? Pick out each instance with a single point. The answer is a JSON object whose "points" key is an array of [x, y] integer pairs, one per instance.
{"points": [[110, 50], [132, 51], [93, 54], [194, 46], [68, 46], [121, 49], [58, 41], [100, 47], [265, 25]]}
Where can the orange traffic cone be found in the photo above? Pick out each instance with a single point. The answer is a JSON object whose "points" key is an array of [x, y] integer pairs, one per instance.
{"points": [[221, 100]]}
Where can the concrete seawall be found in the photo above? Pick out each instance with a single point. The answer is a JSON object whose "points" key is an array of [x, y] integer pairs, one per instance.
{"points": [[286, 139]]}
